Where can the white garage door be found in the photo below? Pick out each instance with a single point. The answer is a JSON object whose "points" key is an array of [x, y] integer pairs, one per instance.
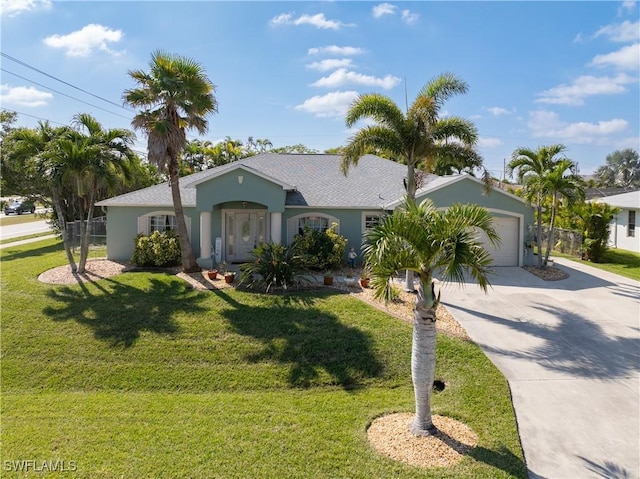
{"points": [[507, 253]]}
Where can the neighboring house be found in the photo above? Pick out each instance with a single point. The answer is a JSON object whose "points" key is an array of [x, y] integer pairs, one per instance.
{"points": [[625, 232], [271, 197]]}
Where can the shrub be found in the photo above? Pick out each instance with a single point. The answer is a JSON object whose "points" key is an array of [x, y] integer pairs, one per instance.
{"points": [[320, 250], [596, 218], [274, 266], [157, 249]]}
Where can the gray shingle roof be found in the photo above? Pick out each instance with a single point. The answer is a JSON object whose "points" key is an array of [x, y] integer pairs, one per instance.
{"points": [[629, 200], [312, 180]]}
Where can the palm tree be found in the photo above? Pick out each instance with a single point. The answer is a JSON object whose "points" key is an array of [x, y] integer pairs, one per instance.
{"points": [[418, 138], [424, 240], [36, 151], [175, 95], [558, 185], [98, 160], [532, 167]]}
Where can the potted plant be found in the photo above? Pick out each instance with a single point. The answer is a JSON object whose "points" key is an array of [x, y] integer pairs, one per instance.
{"points": [[364, 279], [212, 273], [328, 278], [229, 276]]}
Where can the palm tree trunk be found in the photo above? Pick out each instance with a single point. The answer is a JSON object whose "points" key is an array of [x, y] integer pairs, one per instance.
{"points": [[423, 358], [539, 235], [411, 195], [86, 234], [62, 224], [551, 226], [189, 263]]}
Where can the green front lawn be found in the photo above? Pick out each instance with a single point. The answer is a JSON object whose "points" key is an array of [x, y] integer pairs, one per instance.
{"points": [[618, 261], [141, 376]]}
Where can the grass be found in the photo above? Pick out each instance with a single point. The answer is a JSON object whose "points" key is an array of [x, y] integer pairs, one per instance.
{"points": [[622, 262], [20, 219], [26, 237], [141, 376]]}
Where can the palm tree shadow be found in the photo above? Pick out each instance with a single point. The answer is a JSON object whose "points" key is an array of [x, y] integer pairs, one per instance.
{"points": [[607, 470], [118, 313], [315, 344]]}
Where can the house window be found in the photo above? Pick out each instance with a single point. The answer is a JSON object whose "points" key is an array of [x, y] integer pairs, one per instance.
{"points": [[315, 223], [631, 224], [162, 223], [371, 220]]}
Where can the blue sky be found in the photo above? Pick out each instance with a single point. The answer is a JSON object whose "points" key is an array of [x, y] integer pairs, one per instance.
{"points": [[538, 72]]}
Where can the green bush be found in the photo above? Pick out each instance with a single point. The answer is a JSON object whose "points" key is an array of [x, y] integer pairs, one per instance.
{"points": [[157, 249], [274, 266], [596, 218], [320, 250]]}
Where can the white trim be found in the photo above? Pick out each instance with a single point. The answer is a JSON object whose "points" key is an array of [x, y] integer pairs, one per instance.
{"points": [[363, 222]]}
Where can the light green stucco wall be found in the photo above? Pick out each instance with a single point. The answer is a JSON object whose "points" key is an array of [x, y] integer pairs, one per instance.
{"points": [[122, 228]]}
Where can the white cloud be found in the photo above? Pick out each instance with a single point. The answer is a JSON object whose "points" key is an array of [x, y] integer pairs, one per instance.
{"points": [[336, 50], [383, 9], [547, 124], [584, 86], [16, 7], [334, 104], [627, 5], [82, 43], [409, 18], [488, 142], [627, 58], [343, 76], [330, 64], [624, 32], [23, 96], [498, 111], [318, 20]]}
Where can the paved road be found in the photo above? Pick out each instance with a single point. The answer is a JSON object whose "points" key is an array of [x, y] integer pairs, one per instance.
{"points": [[570, 350], [24, 229]]}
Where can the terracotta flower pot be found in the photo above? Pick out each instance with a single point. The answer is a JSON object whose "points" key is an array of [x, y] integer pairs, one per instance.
{"points": [[213, 274], [364, 282], [229, 277], [328, 280]]}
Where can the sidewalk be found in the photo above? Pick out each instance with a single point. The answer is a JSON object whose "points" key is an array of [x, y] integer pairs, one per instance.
{"points": [[26, 241]]}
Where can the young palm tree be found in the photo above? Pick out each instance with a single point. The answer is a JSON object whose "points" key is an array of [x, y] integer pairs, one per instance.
{"points": [[532, 167], [175, 95], [421, 239]]}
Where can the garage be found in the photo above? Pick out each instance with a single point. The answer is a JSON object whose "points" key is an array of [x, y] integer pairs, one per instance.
{"points": [[507, 253]]}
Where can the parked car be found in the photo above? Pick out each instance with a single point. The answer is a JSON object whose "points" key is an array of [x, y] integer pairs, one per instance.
{"points": [[19, 207]]}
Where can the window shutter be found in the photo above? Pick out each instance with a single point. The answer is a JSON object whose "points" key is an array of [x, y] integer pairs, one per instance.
{"points": [[143, 225]]}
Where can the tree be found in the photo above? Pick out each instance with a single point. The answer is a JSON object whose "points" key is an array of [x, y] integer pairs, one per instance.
{"points": [[175, 95], [422, 239], [97, 160], [532, 166], [418, 138], [559, 185], [622, 169]]}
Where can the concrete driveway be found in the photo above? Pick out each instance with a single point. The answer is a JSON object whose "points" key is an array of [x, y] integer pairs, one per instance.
{"points": [[570, 350]]}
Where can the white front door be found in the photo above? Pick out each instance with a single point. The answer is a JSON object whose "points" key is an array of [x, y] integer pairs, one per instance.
{"points": [[244, 231]]}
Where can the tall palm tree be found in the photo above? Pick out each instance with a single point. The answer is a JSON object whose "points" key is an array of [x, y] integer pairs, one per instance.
{"points": [[175, 95], [424, 240], [98, 159], [532, 167], [418, 138]]}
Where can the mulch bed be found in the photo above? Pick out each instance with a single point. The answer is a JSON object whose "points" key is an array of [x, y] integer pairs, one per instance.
{"points": [[549, 273]]}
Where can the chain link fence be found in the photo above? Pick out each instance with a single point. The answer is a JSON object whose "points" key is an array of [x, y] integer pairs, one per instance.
{"points": [[564, 241], [98, 232]]}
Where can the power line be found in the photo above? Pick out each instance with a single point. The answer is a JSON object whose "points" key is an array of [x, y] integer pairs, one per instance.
{"points": [[64, 94], [9, 57]]}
